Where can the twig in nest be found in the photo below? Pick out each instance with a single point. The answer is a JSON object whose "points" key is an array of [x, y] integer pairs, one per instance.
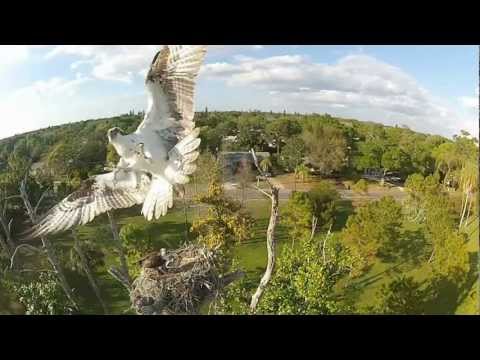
{"points": [[190, 279]]}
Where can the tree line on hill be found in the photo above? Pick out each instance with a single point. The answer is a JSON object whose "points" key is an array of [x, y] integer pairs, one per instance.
{"points": [[441, 180]]}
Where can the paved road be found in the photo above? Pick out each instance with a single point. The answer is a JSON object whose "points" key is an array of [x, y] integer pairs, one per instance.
{"points": [[252, 194]]}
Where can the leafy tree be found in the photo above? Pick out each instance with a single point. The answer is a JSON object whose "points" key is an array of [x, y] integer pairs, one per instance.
{"points": [[225, 223], [297, 215], [361, 186], [420, 152], [112, 156], [446, 159], [62, 159], [326, 147], [211, 139], [395, 159], [373, 226], [419, 190], [137, 243], [468, 186], [266, 165], [305, 280], [324, 197], [41, 296], [293, 153], [369, 155], [402, 296], [451, 257], [302, 172], [279, 131], [251, 132]]}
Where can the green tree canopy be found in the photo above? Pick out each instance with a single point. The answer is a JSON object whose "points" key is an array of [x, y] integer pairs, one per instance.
{"points": [[326, 147], [395, 159], [293, 153], [305, 280], [279, 131], [324, 197], [373, 226]]}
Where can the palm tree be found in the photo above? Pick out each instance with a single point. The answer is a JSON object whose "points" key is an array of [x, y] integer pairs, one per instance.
{"points": [[302, 172], [266, 165]]}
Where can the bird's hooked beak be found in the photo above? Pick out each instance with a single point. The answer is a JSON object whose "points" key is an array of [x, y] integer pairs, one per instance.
{"points": [[113, 133]]}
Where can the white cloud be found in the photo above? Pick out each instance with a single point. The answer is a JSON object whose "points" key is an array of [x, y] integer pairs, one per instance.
{"points": [[123, 62], [469, 102], [12, 55], [356, 84], [43, 103], [109, 62]]}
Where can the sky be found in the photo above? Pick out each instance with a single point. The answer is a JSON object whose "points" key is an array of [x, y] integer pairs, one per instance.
{"points": [[431, 89]]}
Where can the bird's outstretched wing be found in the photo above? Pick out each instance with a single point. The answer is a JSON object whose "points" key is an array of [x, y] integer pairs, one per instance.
{"points": [[98, 195], [169, 120], [181, 164], [171, 87]]}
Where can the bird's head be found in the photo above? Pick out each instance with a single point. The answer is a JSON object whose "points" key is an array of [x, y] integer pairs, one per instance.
{"points": [[114, 132]]}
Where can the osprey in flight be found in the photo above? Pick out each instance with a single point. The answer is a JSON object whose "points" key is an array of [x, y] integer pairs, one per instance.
{"points": [[158, 157]]}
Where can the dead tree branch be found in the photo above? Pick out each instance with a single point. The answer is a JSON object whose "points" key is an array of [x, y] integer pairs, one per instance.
{"points": [[7, 243], [12, 259], [120, 277], [123, 260], [325, 244], [47, 245], [88, 271], [271, 241]]}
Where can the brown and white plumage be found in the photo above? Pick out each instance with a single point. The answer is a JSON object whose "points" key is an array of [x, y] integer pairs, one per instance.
{"points": [[96, 196], [159, 155]]}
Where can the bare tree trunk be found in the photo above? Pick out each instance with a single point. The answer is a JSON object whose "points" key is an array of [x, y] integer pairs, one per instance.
{"points": [[271, 242], [446, 176], [185, 214], [52, 257], [196, 192], [431, 256], [464, 208], [271, 247], [325, 245], [7, 242], [468, 212], [7, 231], [5, 246], [314, 227], [118, 242], [49, 248], [88, 271]]}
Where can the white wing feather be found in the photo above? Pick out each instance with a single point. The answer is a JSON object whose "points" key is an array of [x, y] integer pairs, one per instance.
{"points": [[96, 196], [171, 88], [159, 199]]}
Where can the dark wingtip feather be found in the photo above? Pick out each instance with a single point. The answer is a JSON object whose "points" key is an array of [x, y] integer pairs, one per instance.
{"points": [[28, 235]]}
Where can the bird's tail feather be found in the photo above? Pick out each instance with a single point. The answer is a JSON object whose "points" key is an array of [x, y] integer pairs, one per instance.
{"points": [[159, 199]]}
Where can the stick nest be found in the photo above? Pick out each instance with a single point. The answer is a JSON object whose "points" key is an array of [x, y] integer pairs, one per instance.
{"points": [[176, 282]]}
